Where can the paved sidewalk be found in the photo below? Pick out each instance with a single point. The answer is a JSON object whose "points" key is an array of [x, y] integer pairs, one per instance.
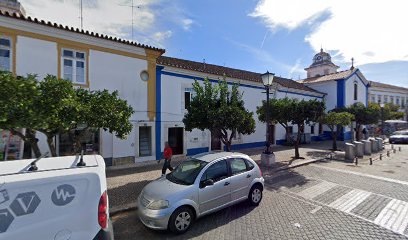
{"points": [[126, 182]]}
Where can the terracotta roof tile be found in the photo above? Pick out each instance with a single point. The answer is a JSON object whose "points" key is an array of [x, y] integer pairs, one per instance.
{"points": [[76, 30], [330, 77], [383, 85], [228, 72]]}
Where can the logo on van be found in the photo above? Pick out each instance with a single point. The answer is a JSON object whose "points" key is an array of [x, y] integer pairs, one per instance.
{"points": [[63, 195]]}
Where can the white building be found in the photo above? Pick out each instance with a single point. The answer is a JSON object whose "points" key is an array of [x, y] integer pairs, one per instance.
{"points": [[93, 61], [174, 83], [343, 88], [386, 93]]}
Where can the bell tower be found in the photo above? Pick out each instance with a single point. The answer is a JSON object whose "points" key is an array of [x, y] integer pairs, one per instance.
{"points": [[322, 65]]}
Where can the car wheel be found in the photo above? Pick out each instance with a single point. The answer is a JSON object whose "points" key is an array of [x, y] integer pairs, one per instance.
{"points": [[255, 195], [181, 220]]}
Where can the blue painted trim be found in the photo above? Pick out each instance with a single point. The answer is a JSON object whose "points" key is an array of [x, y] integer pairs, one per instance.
{"points": [[365, 84], [246, 145], [194, 151], [280, 142], [347, 135], [367, 95], [241, 85], [341, 90], [158, 112]]}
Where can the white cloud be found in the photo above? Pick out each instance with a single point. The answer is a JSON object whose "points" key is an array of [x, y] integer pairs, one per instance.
{"points": [[296, 69], [369, 31], [186, 23], [160, 36], [114, 17]]}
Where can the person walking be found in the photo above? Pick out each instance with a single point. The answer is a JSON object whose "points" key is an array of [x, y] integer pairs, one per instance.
{"points": [[168, 153]]}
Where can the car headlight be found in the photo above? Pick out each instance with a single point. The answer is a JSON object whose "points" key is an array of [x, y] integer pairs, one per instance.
{"points": [[158, 204]]}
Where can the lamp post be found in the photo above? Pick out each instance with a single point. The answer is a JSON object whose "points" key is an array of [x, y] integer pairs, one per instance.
{"points": [[267, 79], [382, 117]]}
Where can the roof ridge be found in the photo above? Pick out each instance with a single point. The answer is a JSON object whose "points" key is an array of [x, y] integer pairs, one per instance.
{"points": [[77, 30]]}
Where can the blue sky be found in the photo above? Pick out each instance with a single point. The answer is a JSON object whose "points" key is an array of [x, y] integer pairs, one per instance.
{"points": [[255, 35]]}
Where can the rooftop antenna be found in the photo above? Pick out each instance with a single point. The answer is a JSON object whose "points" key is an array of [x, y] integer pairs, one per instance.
{"points": [[132, 6], [33, 165], [80, 17]]}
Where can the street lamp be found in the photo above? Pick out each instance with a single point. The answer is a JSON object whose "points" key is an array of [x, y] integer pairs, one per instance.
{"points": [[382, 116], [267, 79]]}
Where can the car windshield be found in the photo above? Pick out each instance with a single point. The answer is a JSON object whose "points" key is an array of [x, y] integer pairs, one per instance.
{"points": [[186, 172]]}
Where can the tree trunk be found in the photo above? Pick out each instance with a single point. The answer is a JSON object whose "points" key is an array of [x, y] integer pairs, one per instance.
{"points": [[334, 136], [30, 138], [51, 145], [358, 135], [228, 146], [298, 137]]}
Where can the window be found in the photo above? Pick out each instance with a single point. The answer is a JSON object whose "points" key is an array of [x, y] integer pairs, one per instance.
{"points": [[250, 165], [355, 91], [188, 96], [379, 98], [187, 99], [312, 129], [238, 166], [397, 101], [74, 66], [89, 142], [145, 141], [373, 98], [216, 172], [385, 99], [5, 53], [392, 99], [290, 129], [402, 102]]}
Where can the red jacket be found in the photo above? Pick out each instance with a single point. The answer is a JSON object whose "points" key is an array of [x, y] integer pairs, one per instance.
{"points": [[168, 152]]}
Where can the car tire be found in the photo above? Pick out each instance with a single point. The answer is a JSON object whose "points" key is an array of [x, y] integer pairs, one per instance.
{"points": [[181, 220], [255, 195]]}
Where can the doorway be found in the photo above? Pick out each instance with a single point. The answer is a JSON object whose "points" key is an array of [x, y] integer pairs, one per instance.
{"points": [[215, 142], [176, 140], [145, 141]]}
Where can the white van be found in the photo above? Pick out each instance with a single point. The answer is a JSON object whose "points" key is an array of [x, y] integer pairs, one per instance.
{"points": [[57, 198]]}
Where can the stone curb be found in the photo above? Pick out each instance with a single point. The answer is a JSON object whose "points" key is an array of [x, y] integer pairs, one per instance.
{"points": [[120, 209]]}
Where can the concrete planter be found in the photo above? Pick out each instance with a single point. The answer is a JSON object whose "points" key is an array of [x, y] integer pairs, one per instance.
{"points": [[267, 159]]}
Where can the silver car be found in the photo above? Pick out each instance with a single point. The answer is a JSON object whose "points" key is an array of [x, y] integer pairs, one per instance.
{"points": [[198, 186]]}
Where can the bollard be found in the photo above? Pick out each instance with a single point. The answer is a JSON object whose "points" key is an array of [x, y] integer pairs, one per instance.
{"points": [[359, 149], [350, 152], [371, 161], [399, 148], [394, 150], [367, 147], [392, 146], [356, 161], [388, 153], [381, 156]]}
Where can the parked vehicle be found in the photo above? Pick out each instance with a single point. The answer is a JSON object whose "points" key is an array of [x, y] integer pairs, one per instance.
{"points": [[399, 137], [198, 186], [54, 198]]}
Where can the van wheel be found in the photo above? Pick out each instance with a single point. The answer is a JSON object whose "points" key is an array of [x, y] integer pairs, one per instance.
{"points": [[181, 220], [255, 195]]}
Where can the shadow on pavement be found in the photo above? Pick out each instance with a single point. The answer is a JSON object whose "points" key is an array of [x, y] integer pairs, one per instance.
{"points": [[125, 194], [202, 225]]}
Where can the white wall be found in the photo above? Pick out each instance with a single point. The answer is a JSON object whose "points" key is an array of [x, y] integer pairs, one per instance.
{"points": [[361, 89], [172, 108], [330, 88], [35, 56]]}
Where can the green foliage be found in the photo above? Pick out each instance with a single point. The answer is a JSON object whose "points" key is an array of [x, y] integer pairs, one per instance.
{"points": [[219, 109], [364, 115], [334, 120], [287, 111], [53, 106], [391, 112]]}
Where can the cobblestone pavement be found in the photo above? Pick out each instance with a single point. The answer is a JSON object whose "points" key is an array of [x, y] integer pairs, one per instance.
{"points": [[308, 202], [126, 182]]}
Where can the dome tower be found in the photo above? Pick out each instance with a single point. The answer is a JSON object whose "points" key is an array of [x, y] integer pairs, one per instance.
{"points": [[322, 65]]}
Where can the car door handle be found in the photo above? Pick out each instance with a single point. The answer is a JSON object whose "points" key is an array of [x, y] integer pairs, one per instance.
{"points": [[226, 183], [249, 175]]}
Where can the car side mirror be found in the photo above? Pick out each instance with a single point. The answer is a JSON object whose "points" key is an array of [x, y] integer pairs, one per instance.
{"points": [[206, 183]]}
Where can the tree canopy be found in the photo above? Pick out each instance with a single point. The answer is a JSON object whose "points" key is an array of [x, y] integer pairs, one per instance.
{"points": [[53, 106], [364, 115], [334, 120], [287, 111], [219, 109]]}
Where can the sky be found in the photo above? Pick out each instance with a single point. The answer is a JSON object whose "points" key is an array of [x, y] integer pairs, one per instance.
{"points": [[255, 35]]}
